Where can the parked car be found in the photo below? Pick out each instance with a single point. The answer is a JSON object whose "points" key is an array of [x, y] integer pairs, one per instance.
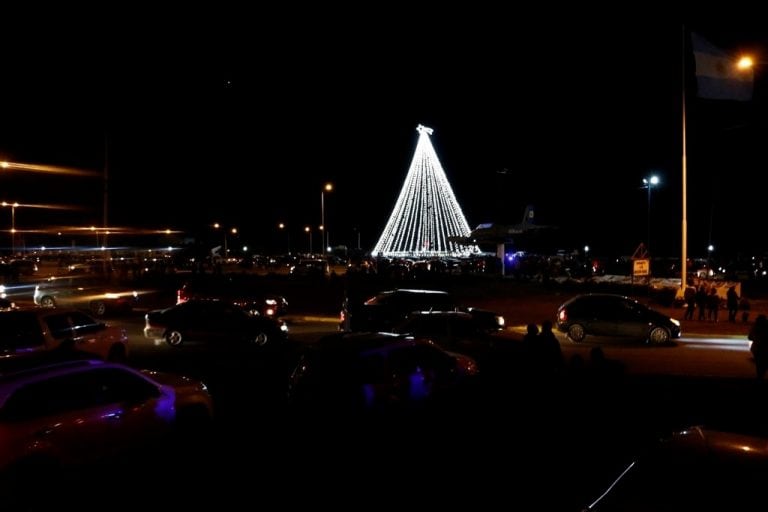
{"points": [[213, 321], [63, 415], [458, 331], [24, 267], [311, 268], [385, 310], [83, 292], [373, 371], [698, 468], [614, 316], [241, 291], [28, 330]]}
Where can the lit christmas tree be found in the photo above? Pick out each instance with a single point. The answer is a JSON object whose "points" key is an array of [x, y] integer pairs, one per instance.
{"points": [[427, 215]]}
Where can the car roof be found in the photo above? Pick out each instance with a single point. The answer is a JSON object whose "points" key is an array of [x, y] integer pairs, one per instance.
{"points": [[13, 379], [417, 291], [432, 314], [30, 310], [362, 342], [598, 296]]}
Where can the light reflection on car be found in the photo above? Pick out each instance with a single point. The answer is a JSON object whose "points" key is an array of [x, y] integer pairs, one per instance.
{"points": [[82, 292], [698, 468], [213, 321], [376, 371], [68, 413]]}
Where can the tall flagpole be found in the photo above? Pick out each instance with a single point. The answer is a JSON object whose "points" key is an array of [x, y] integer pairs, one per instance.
{"points": [[684, 255]]}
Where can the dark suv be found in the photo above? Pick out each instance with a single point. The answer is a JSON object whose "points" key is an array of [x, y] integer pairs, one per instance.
{"points": [[614, 316], [387, 309]]}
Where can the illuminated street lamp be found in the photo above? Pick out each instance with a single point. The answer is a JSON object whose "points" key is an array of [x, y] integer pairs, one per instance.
{"points": [[287, 236], [231, 230], [745, 62], [710, 272], [324, 240], [649, 183], [309, 231], [13, 224]]}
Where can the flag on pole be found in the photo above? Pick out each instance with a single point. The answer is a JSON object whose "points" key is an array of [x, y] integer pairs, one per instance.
{"points": [[717, 76]]}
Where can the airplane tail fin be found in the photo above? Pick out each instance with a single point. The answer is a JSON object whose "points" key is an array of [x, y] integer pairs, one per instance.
{"points": [[528, 218]]}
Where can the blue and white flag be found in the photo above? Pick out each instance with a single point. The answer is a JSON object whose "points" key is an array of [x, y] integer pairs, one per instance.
{"points": [[717, 75]]}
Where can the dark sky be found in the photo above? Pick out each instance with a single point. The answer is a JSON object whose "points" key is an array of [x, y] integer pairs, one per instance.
{"points": [[242, 123]]}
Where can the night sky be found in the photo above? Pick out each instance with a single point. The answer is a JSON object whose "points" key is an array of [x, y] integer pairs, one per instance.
{"points": [[243, 124]]}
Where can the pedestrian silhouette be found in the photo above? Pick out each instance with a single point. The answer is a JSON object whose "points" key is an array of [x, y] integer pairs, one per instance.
{"points": [[713, 304], [530, 342], [701, 301], [744, 306], [551, 355], [690, 302], [602, 368]]}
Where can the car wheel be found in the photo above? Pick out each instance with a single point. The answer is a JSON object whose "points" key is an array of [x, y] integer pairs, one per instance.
{"points": [[98, 307], [577, 333], [261, 339], [173, 338], [48, 302], [658, 336]]}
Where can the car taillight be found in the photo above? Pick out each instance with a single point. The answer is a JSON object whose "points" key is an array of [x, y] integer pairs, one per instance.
{"points": [[562, 315], [180, 297]]}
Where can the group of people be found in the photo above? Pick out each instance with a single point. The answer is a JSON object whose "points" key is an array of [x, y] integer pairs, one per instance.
{"points": [[707, 301], [543, 350], [545, 358]]}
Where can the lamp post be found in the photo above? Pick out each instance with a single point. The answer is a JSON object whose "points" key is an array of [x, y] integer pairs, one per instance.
{"points": [[710, 272], [308, 230], [324, 241], [586, 259], [287, 236], [649, 183], [233, 230], [13, 225]]}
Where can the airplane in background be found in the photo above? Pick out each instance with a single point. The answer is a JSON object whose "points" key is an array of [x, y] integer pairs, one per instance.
{"points": [[502, 233]]}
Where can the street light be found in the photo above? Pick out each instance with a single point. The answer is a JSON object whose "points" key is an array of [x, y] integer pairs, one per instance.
{"points": [[324, 240], [216, 225], [710, 272], [587, 265], [649, 183], [309, 231], [13, 225], [287, 236]]}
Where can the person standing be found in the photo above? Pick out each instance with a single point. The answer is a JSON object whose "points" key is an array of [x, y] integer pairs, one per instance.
{"points": [[732, 301], [701, 301], [551, 353], [713, 304], [690, 302]]}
